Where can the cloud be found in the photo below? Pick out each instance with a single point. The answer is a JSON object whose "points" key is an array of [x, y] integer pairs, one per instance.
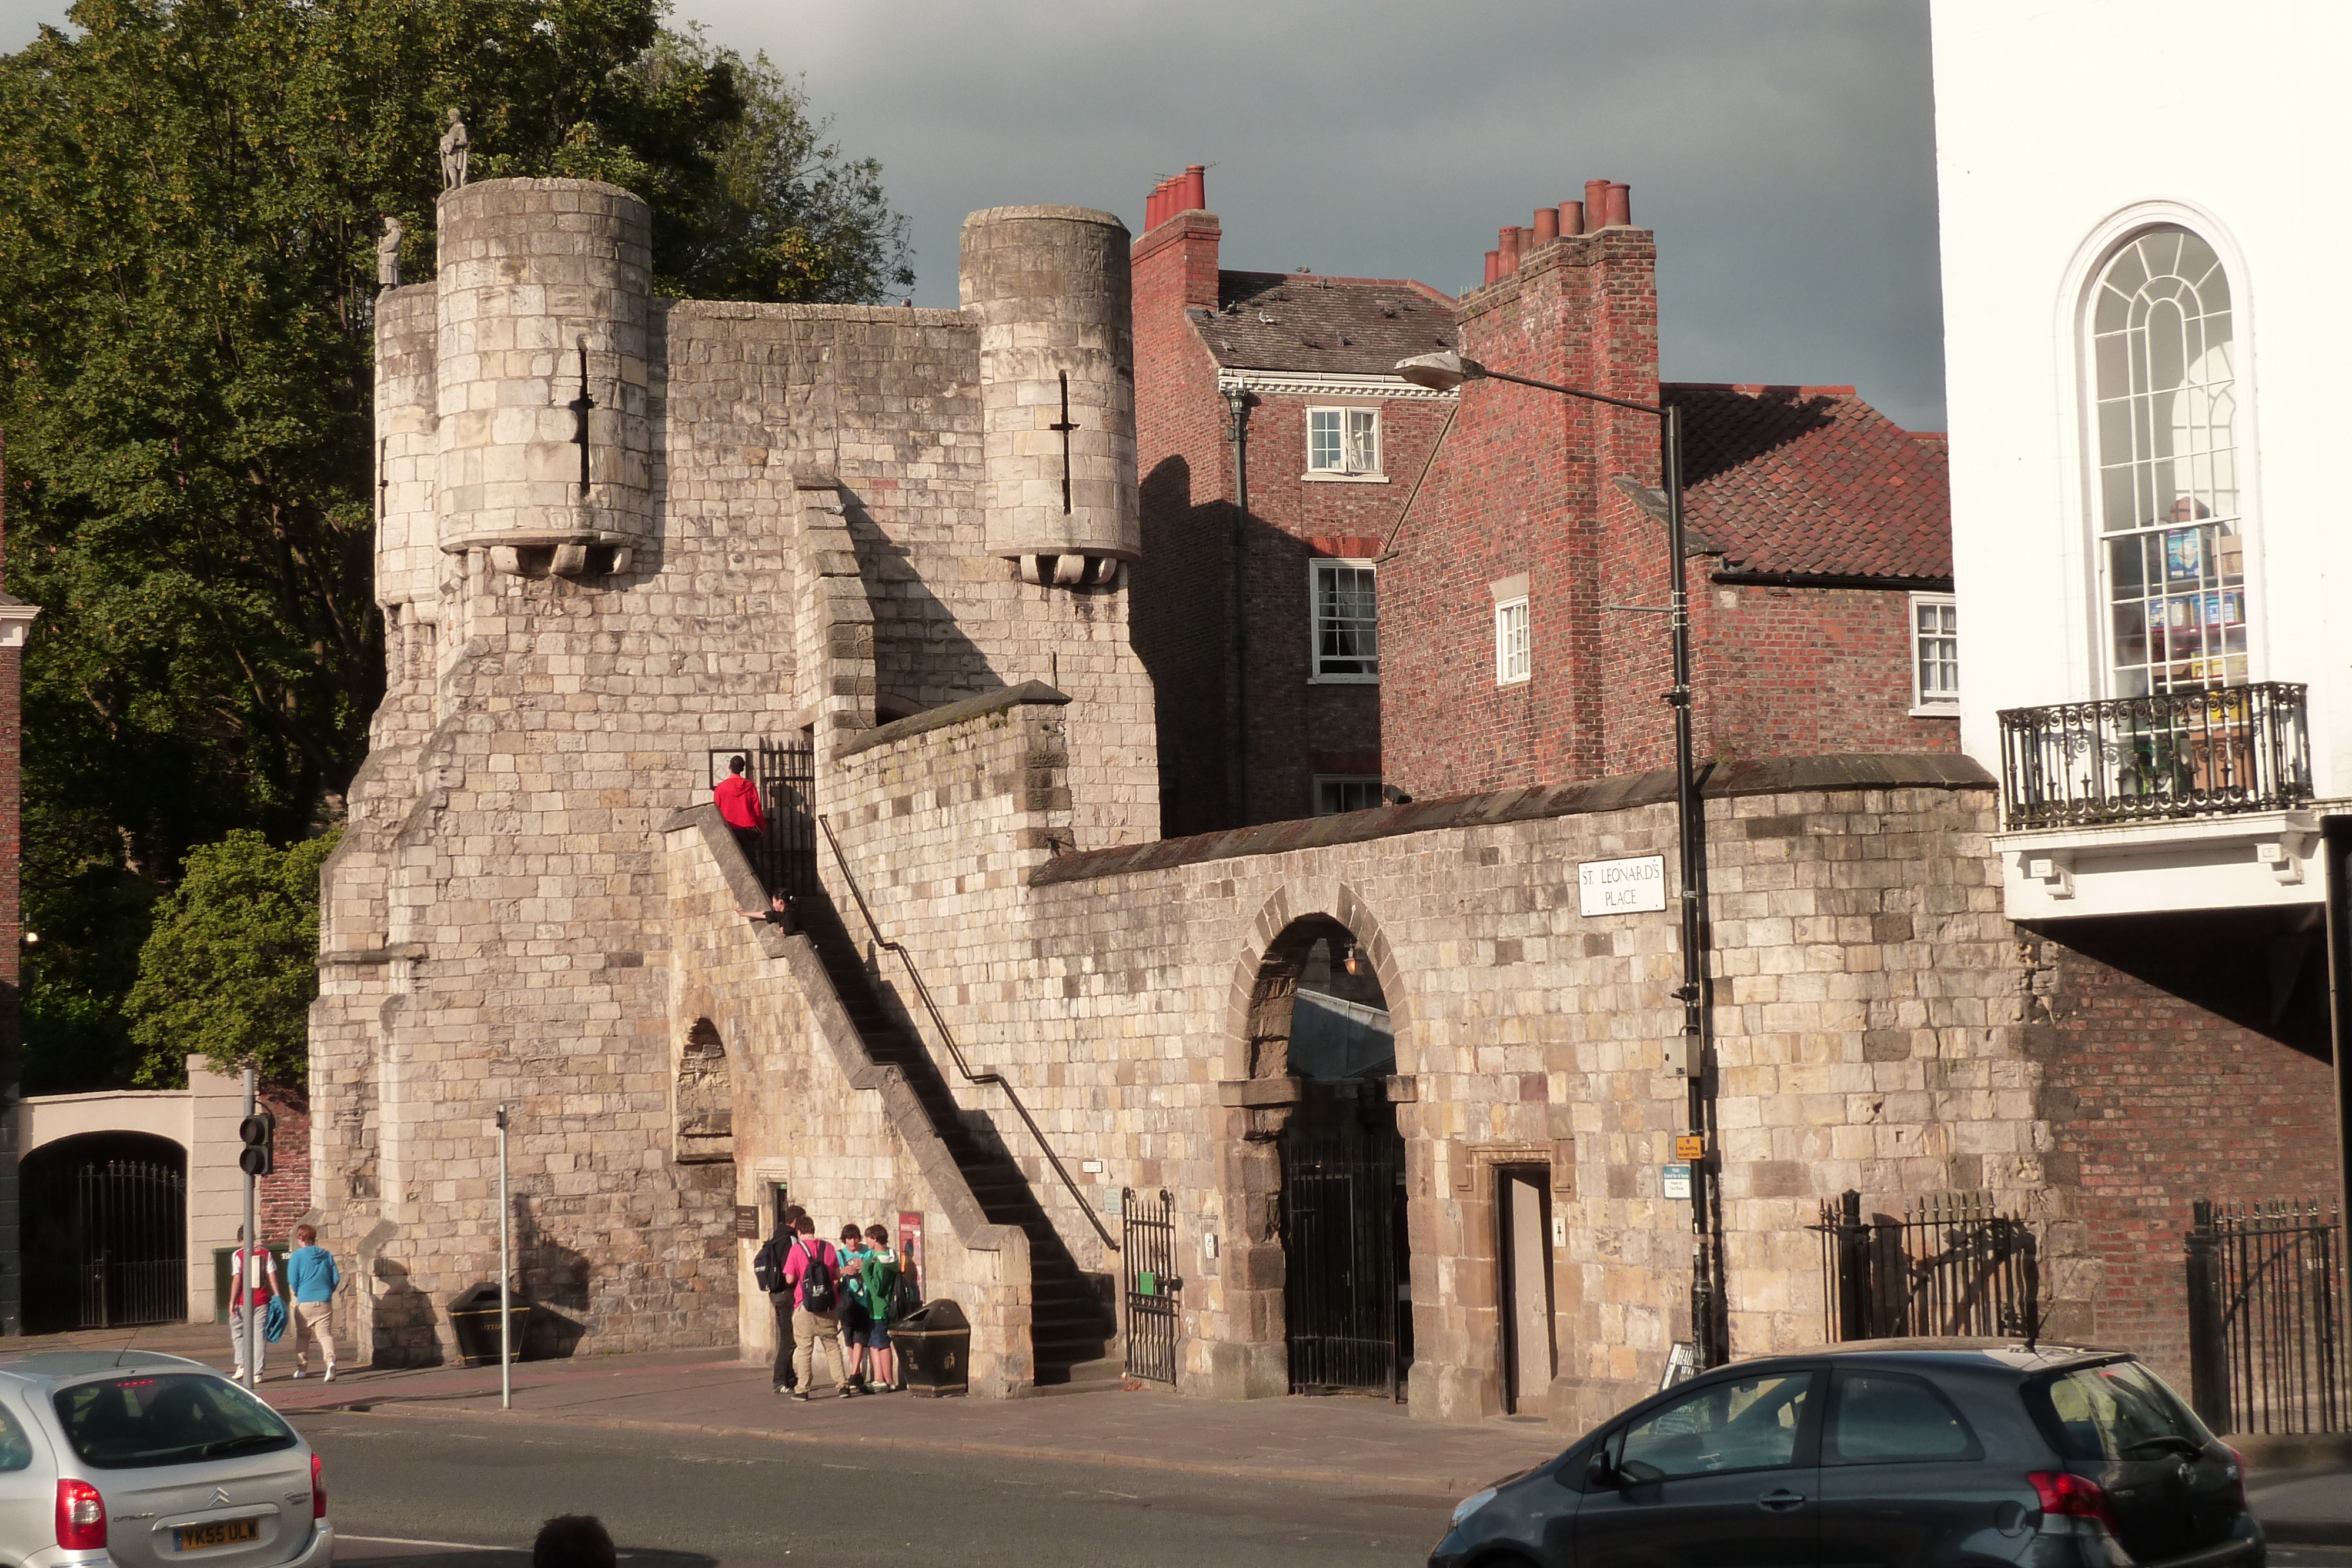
{"points": [[1783, 150]]}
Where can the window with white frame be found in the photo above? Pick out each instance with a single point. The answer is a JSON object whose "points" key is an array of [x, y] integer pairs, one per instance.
{"points": [[2172, 561], [1514, 656], [1347, 620], [1334, 793], [1935, 652], [1343, 441]]}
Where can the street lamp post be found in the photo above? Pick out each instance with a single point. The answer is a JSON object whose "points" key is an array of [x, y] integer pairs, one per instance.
{"points": [[1446, 373]]}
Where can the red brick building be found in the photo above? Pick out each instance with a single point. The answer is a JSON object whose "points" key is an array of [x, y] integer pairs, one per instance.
{"points": [[1391, 614], [1258, 623], [1520, 599]]}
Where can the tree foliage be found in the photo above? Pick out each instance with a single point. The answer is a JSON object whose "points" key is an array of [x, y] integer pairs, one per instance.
{"points": [[232, 965], [190, 195]]}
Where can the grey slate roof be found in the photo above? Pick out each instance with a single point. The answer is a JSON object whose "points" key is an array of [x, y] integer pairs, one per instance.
{"points": [[1300, 322]]}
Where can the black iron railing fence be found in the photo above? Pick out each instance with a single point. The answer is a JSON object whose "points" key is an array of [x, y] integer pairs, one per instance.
{"points": [[1950, 1265], [2266, 1340], [2179, 753]]}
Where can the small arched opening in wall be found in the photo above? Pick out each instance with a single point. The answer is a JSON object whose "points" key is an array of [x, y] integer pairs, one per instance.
{"points": [[705, 1098], [1315, 1164]]}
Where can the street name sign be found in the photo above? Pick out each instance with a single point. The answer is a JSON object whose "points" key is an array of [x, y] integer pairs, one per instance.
{"points": [[1622, 887]]}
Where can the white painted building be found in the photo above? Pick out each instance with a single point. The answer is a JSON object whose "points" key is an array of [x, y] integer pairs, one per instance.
{"points": [[2144, 251]]}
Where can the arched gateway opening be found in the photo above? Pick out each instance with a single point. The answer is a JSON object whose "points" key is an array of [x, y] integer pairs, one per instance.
{"points": [[105, 1243], [1319, 1018]]}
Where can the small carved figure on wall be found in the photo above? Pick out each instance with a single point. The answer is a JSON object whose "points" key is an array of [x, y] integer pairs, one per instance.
{"points": [[454, 143], [387, 255]]}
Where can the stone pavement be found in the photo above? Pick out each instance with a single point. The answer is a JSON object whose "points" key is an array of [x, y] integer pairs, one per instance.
{"points": [[2306, 1507], [1367, 1444]]}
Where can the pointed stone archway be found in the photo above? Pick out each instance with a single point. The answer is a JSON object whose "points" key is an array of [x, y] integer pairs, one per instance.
{"points": [[1260, 1093]]}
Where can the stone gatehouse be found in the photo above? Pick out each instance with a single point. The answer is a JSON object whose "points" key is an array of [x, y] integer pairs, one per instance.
{"points": [[624, 537]]}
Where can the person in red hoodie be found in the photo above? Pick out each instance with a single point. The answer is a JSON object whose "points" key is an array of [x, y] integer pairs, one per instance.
{"points": [[739, 804]]}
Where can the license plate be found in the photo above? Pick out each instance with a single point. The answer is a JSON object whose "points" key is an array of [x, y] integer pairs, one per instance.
{"points": [[219, 1533]]}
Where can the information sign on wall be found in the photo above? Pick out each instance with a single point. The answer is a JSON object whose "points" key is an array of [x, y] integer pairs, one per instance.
{"points": [[1622, 887], [1676, 1182]]}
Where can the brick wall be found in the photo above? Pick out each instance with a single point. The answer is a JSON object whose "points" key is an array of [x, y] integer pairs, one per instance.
{"points": [[1525, 494], [1182, 585], [285, 1194], [2156, 1099], [1222, 766], [1802, 672], [1524, 489]]}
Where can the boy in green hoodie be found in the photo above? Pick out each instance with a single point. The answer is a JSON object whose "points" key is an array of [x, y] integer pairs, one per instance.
{"points": [[881, 1286]]}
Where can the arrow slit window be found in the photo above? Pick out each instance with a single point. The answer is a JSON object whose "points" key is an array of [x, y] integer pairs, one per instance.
{"points": [[2170, 527]]}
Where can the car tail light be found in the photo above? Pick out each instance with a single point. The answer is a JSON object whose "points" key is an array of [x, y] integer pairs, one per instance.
{"points": [[318, 1489], [2069, 1496], [2238, 1474], [81, 1517]]}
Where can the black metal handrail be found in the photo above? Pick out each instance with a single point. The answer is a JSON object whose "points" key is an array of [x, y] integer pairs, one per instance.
{"points": [[2175, 754], [947, 1037]]}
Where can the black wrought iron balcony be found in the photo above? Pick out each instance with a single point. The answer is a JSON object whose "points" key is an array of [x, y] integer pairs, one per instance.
{"points": [[2131, 759]]}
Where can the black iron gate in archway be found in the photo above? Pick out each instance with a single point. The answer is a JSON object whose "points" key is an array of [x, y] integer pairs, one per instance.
{"points": [[107, 1243], [1342, 1238]]}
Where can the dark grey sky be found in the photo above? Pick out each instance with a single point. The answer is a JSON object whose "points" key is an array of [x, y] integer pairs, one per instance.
{"points": [[1783, 150]]}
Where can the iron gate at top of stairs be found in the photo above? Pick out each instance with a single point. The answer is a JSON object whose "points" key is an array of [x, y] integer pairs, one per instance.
{"points": [[786, 774]]}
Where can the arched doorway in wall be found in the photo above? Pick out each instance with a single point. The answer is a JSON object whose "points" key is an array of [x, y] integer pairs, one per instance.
{"points": [[1322, 1019], [105, 1232]]}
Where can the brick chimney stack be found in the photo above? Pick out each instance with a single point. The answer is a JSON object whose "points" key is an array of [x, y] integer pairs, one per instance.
{"points": [[1175, 259]]}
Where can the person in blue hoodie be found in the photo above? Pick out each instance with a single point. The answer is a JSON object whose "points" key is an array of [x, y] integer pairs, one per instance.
{"points": [[312, 1279]]}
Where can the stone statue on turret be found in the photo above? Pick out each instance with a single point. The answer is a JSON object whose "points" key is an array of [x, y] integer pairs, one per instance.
{"points": [[454, 142], [387, 255]]}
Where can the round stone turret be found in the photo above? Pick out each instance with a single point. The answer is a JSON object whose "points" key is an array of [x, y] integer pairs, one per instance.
{"points": [[1057, 389], [544, 290]]}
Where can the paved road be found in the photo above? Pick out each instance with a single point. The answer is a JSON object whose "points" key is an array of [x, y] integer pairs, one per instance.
{"points": [[404, 1492]]}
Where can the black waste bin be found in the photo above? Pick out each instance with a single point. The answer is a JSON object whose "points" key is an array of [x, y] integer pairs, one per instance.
{"points": [[934, 1346], [474, 1316]]}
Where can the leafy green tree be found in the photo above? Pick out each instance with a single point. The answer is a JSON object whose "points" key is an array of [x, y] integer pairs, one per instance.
{"points": [[190, 195], [232, 965]]}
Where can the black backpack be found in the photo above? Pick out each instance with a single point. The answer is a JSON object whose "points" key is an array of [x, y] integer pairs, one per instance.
{"points": [[767, 1267], [816, 1281]]}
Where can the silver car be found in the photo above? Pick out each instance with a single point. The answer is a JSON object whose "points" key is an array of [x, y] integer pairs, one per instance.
{"points": [[150, 1461]]}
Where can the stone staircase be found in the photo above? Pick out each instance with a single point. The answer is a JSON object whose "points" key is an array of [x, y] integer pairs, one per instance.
{"points": [[1072, 1323]]}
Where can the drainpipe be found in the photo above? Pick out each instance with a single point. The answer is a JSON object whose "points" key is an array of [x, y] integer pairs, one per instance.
{"points": [[1238, 402]]}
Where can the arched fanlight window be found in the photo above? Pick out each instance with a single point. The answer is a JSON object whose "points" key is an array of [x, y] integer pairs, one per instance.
{"points": [[2172, 561]]}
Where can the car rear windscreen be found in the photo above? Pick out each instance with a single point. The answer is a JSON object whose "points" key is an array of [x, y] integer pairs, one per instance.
{"points": [[166, 1418], [2118, 1411]]}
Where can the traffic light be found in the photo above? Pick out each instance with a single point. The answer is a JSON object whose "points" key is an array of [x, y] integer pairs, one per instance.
{"points": [[258, 1134]]}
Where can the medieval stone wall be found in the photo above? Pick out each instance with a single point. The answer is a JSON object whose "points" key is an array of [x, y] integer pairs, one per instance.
{"points": [[1870, 1026], [496, 922]]}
